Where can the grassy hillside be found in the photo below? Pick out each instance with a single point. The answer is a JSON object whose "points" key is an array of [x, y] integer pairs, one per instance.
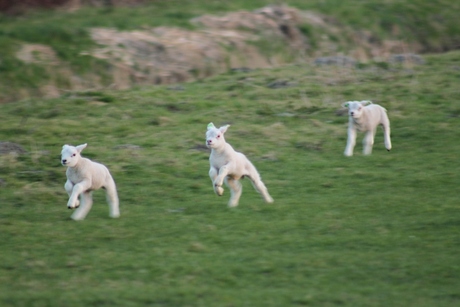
{"points": [[432, 24], [379, 230]]}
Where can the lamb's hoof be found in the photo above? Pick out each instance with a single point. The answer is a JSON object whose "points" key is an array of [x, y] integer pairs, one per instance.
{"points": [[232, 205], [219, 190], [269, 200]]}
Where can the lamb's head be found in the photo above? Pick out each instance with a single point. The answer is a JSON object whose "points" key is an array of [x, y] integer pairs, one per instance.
{"points": [[70, 155], [215, 136], [355, 108]]}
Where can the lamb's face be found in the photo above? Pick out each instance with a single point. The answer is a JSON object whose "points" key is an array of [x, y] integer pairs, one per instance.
{"points": [[70, 154], [355, 109], [214, 138]]}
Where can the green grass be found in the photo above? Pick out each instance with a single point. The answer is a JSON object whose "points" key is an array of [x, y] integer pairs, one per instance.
{"points": [[379, 230]]}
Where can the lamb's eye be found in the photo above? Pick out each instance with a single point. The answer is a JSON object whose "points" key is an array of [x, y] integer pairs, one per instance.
{"points": [[73, 155], [218, 136]]}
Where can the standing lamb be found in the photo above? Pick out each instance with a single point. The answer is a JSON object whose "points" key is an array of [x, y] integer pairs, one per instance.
{"points": [[230, 166], [83, 177], [365, 116]]}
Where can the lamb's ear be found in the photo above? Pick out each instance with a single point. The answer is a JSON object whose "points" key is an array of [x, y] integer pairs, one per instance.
{"points": [[346, 104], [210, 126], [223, 129], [65, 146], [366, 103], [81, 147]]}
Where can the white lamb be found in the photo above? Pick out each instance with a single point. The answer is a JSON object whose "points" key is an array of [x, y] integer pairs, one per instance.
{"points": [[230, 166], [83, 177], [365, 116]]}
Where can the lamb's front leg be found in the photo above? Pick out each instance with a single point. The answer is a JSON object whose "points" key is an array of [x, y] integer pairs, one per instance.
{"points": [[75, 192], [69, 189], [351, 141], [368, 142], [213, 173], [219, 181], [86, 204]]}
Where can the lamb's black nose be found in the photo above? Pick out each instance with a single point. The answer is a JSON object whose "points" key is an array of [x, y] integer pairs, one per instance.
{"points": [[64, 161]]}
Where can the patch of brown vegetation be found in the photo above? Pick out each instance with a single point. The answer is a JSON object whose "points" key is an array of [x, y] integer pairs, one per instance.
{"points": [[168, 55], [36, 53], [46, 57], [11, 148], [270, 21]]}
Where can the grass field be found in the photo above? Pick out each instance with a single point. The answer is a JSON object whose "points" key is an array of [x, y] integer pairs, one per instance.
{"points": [[379, 230]]}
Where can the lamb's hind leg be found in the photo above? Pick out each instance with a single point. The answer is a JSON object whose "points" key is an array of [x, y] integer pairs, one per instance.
{"points": [[386, 132], [235, 190], [112, 199], [259, 185], [86, 202]]}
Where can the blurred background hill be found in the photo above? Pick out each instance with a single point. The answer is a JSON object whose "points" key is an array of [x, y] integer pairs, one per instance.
{"points": [[17, 7], [49, 47]]}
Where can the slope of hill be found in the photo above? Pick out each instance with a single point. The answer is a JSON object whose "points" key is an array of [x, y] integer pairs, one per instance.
{"points": [[46, 53]]}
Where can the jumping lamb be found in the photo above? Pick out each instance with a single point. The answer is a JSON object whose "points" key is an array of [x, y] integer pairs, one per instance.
{"points": [[83, 177], [230, 166], [366, 116]]}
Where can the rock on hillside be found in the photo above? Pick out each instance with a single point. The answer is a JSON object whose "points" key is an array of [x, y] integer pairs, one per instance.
{"points": [[167, 55]]}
